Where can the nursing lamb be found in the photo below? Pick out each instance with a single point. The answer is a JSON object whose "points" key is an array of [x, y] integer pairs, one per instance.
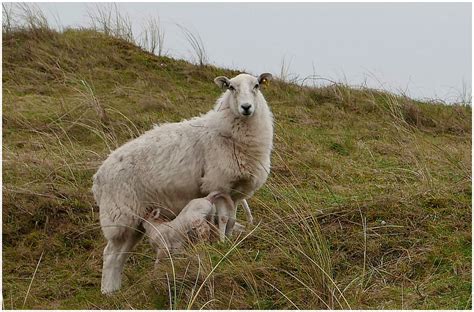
{"points": [[193, 224]]}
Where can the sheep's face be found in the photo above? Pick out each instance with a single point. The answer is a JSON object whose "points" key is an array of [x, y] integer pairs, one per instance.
{"points": [[243, 92]]}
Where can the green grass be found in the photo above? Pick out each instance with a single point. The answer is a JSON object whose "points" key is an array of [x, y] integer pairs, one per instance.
{"points": [[368, 204]]}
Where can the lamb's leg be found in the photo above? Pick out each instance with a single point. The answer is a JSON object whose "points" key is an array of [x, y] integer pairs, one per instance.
{"points": [[116, 254]]}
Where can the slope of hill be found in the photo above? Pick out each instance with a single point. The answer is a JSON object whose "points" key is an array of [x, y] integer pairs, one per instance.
{"points": [[368, 204]]}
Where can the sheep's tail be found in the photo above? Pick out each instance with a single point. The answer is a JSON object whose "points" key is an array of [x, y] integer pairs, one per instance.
{"points": [[215, 195]]}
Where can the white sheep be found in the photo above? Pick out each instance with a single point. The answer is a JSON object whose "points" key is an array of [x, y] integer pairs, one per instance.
{"points": [[193, 224], [227, 150]]}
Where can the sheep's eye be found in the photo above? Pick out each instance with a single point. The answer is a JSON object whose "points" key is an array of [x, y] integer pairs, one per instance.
{"points": [[231, 88], [256, 86]]}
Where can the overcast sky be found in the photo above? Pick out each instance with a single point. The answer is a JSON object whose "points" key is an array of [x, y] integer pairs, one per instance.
{"points": [[423, 49]]}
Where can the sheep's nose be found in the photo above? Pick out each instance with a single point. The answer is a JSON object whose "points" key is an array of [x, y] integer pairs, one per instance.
{"points": [[246, 107]]}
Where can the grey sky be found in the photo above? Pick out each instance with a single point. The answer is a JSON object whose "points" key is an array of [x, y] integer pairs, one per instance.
{"points": [[423, 49]]}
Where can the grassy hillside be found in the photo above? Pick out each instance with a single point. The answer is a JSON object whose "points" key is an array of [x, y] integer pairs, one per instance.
{"points": [[368, 204]]}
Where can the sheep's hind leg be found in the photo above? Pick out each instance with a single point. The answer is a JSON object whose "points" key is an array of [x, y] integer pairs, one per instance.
{"points": [[116, 254]]}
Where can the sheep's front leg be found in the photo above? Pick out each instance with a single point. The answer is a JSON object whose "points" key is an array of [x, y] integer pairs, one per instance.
{"points": [[246, 207], [231, 222], [222, 218]]}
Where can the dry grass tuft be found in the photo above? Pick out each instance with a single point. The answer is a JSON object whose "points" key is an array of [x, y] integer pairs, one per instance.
{"points": [[153, 37], [196, 44], [108, 19]]}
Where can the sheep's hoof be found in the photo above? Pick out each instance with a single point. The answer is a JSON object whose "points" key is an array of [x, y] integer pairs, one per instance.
{"points": [[109, 292]]}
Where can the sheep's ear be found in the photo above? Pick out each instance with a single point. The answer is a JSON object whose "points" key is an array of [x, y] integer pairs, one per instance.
{"points": [[222, 81], [264, 78]]}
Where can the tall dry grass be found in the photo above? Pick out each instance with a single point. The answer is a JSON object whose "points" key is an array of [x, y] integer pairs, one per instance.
{"points": [[153, 36], [196, 43], [107, 18]]}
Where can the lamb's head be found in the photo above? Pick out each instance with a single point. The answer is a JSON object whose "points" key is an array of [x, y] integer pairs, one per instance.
{"points": [[243, 92]]}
